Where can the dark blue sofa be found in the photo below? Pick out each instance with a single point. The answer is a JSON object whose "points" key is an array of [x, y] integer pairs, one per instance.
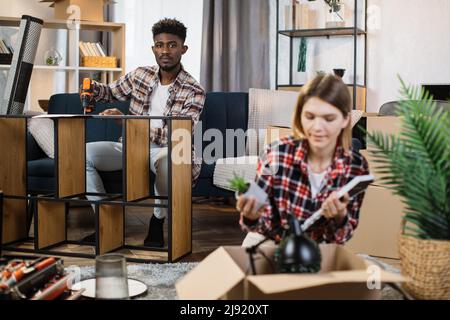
{"points": [[221, 111]]}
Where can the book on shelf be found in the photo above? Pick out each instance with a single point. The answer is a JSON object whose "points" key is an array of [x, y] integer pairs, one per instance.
{"points": [[90, 49], [4, 48], [100, 49]]}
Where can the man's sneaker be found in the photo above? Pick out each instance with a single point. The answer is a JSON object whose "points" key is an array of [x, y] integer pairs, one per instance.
{"points": [[89, 238], [155, 236]]}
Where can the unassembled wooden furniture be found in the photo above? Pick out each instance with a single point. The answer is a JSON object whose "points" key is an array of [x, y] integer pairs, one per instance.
{"points": [[50, 210]]}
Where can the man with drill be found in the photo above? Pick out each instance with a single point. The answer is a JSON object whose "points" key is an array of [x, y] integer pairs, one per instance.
{"points": [[162, 90]]}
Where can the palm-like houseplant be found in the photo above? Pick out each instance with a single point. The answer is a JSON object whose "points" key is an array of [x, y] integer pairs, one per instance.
{"points": [[415, 164]]}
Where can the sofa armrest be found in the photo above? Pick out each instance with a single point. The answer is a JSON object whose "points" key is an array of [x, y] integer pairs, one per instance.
{"points": [[33, 150]]}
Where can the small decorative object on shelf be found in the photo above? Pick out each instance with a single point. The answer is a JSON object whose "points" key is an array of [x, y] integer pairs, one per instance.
{"points": [[52, 57], [339, 72]]}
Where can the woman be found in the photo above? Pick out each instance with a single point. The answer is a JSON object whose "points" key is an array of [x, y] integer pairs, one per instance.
{"points": [[302, 173]]}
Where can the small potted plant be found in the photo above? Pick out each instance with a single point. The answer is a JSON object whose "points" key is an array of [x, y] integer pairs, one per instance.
{"points": [[248, 189], [415, 165]]}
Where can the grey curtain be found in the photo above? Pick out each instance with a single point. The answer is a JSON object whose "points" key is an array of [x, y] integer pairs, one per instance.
{"points": [[235, 45]]}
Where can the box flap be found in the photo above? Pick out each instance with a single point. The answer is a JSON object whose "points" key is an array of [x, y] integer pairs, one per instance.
{"points": [[212, 278], [339, 265], [276, 283]]}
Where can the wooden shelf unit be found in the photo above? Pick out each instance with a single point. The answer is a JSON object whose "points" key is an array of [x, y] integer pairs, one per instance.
{"points": [[50, 210]]}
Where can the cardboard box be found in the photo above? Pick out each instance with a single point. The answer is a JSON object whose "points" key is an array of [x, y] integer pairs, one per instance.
{"points": [[224, 275], [379, 224], [274, 133], [386, 124], [90, 10]]}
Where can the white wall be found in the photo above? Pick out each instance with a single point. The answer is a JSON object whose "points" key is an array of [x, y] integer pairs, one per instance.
{"points": [[413, 41], [405, 37], [140, 15]]}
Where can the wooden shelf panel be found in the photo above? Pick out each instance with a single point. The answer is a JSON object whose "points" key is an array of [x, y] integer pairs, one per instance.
{"points": [[137, 153], [329, 32], [71, 156], [181, 187], [62, 24]]}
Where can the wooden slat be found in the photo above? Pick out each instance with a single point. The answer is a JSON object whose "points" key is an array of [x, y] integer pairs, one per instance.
{"points": [[71, 157], [51, 223], [13, 157], [181, 188], [110, 227], [118, 49], [137, 159], [14, 220], [13, 177]]}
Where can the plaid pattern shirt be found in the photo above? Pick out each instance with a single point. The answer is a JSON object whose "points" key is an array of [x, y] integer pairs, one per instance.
{"points": [[283, 173], [186, 98]]}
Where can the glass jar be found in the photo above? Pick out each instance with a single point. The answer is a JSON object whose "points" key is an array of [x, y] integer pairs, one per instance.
{"points": [[52, 57]]}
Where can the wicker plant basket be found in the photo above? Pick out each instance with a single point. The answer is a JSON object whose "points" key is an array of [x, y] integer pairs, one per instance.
{"points": [[427, 264], [99, 62]]}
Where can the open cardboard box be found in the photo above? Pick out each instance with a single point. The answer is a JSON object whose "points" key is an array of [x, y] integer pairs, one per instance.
{"points": [[224, 275]]}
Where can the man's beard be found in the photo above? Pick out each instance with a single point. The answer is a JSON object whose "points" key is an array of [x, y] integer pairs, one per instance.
{"points": [[170, 68]]}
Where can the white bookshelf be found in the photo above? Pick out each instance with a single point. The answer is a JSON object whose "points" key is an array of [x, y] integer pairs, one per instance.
{"points": [[72, 68]]}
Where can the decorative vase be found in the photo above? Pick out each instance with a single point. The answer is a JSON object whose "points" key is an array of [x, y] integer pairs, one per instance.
{"points": [[52, 57], [339, 72]]}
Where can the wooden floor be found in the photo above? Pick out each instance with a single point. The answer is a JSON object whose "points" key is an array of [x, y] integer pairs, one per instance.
{"points": [[215, 224]]}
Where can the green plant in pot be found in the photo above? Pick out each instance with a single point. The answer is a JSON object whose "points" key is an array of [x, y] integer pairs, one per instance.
{"points": [[415, 165]]}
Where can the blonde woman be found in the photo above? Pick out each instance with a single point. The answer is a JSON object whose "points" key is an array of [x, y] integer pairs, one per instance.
{"points": [[301, 173]]}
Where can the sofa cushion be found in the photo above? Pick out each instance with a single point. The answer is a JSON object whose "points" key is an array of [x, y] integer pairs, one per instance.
{"points": [[222, 111], [42, 131], [226, 169]]}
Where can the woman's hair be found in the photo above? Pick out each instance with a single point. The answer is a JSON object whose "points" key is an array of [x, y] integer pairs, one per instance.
{"points": [[331, 89]]}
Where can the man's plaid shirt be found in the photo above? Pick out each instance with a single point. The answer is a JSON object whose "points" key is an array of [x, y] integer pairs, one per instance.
{"points": [[186, 98], [283, 173]]}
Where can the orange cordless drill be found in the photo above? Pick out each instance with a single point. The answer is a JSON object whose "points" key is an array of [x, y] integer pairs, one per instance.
{"points": [[87, 91]]}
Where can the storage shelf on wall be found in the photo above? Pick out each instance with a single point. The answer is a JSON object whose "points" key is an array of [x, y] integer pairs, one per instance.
{"points": [[72, 59], [330, 32], [358, 91]]}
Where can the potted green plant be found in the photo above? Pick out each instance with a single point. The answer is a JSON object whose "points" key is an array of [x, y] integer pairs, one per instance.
{"points": [[415, 165], [248, 189]]}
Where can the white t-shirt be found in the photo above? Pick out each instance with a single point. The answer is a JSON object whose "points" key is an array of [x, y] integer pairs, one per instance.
{"points": [[316, 181], [158, 103]]}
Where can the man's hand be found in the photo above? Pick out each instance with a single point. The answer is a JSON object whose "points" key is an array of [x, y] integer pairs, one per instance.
{"points": [[111, 112], [333, 208]]}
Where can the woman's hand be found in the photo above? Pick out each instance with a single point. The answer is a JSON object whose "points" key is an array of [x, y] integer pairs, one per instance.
{"points": [[333, 208], [246, 206], [111, 112]]}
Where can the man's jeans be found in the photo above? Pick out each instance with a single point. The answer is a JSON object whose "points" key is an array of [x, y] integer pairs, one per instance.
{"points": [[107, 156]]}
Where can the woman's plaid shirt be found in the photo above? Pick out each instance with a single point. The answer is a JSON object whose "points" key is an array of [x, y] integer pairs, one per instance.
{"points": [[283, 173], [186, 98]]}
